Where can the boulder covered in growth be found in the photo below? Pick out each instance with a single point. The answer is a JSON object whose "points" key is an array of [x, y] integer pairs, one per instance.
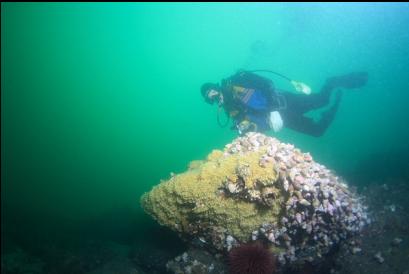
{"points": [[259, 189]]}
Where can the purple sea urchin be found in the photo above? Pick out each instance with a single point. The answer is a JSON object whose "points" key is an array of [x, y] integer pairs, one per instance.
{"points": [[251, 258]]}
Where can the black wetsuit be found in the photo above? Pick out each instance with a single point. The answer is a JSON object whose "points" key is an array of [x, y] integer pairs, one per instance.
{"points": [[299, 104], [255, 110], [292, 107]]}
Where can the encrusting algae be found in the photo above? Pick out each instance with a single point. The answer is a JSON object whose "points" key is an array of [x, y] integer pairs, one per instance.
{"points": [[259, 189], [197, 196]]}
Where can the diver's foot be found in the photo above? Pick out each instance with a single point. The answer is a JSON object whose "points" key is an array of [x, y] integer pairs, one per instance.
{"points": [[349, 81]]}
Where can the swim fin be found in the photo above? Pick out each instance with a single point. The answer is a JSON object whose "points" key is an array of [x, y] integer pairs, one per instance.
{"points": [[349, 81]]}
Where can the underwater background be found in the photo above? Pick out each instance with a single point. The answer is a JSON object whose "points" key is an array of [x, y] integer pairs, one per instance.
{"points": [[99, 102]]}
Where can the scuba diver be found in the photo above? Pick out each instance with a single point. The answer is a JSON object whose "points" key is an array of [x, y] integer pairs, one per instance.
{"points": [[255, 104]]}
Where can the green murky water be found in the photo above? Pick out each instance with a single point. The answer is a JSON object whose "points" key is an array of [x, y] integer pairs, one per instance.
{"points": [[101, 101]]}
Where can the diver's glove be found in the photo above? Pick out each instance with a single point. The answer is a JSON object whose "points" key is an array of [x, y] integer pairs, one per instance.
{"points": [[275, 121], [301, 87], [246, 126], [243, 126]]}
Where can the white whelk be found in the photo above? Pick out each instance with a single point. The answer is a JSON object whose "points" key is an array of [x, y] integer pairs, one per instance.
{"points": [[230, 241], [271, 237], [285, 185], [396, 241], [378, 257], [317, 201], [254, 235], [298, 217], [271, 151], [304, 202], [356, 250]]}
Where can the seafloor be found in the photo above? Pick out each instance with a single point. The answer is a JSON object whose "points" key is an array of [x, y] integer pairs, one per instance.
{"points": [[383, 248]]}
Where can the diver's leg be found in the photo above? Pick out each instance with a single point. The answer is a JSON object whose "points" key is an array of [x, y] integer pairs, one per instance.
{"points": [[303, 103], [328, 116], [298, 122], [304, 125]]}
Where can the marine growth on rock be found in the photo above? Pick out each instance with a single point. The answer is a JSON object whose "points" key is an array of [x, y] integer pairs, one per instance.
{"points": [[259, 189]]}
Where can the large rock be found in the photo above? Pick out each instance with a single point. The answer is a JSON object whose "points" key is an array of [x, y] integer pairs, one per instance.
{"points": [[258, 188]]}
